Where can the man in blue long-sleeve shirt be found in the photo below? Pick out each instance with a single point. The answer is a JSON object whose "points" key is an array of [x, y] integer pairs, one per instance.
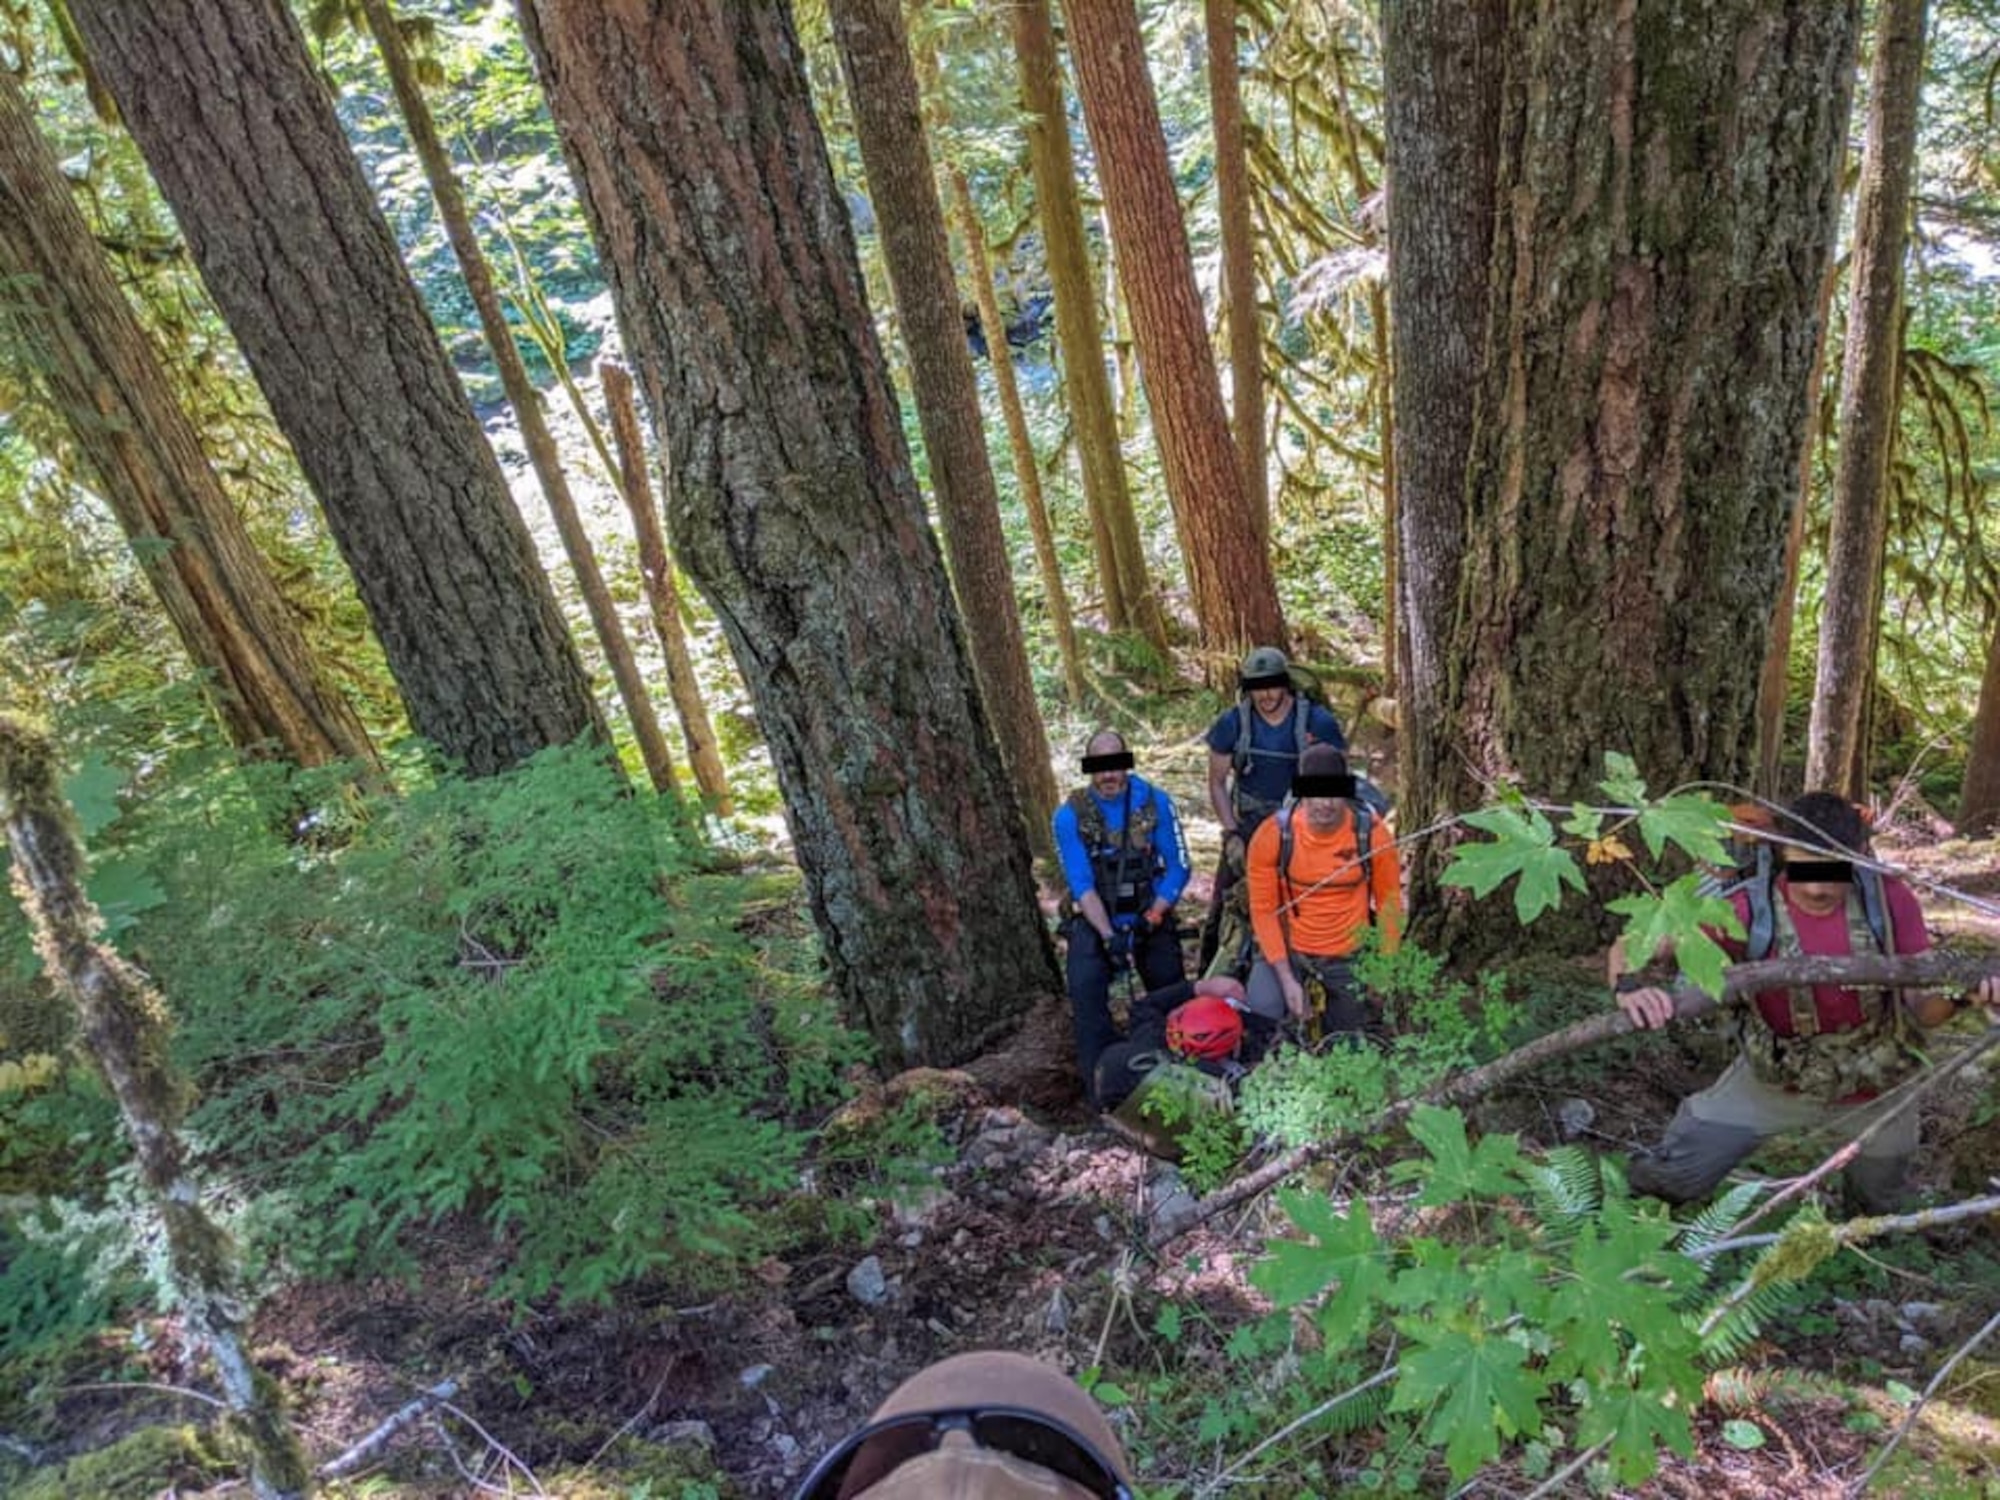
{"points": [[1126, 865]]}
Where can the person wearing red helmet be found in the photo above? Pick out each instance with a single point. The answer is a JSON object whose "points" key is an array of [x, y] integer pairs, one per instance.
{"points": [[1201, 1022]]}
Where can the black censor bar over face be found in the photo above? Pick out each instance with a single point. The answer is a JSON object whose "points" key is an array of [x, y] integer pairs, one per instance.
{"points": [[1322, 786], [1819, 871], [1274, 680], [1116, 760]]}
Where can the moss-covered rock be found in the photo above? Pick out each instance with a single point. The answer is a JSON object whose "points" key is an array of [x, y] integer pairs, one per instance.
{"points": [[135, 1467]]}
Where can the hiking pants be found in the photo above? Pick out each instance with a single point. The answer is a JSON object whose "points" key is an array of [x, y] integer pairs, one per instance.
{"points": [[1346, 1010], [1716, 1128], [1156, 957]]}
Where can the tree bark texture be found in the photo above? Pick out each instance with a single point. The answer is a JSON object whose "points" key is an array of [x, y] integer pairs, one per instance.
{"points": [[663, 595], [1129, 600], [1229, 573], [225, 103], [522, 396], [1668, 189], [792, 506], [124, 1028], [1239, 260], [1845, 675], [1442, 63], [72, 324], [1979, 798], [1020, 441], [902, 187]]}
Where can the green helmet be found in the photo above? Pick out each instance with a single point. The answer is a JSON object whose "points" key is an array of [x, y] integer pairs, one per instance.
{"points": [[1264, 667]]}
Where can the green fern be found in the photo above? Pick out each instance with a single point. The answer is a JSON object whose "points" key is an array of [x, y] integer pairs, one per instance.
{"points": [[1716, 1220], [1568, 1185]]}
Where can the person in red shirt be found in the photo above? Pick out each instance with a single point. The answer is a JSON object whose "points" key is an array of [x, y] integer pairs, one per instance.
{"points": [[1312, 904], [1811, 1056]]}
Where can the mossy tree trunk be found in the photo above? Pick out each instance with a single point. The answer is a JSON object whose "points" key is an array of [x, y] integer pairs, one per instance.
{"points": [[68, 325], [1837, 740], [1667, 189], [792, 506], [902, 186], [124, 1027], [663, 595], [1979, 798], [521, 395], [223, 100], [1129, 599], [1234, 591]]}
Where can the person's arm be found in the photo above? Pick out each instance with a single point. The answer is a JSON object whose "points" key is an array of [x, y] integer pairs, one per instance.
{"points": [[1090, 906], [1078, 873], [1651, 1006], [1385, 875], [1906, 921], [1261, 876], [1173, 859], [1221, 764]]}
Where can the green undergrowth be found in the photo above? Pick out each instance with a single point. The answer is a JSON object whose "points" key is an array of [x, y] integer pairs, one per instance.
{"points": [[523, 1017]]}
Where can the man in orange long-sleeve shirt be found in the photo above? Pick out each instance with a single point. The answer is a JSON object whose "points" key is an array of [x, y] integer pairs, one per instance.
{"points": [[1312, 904]]}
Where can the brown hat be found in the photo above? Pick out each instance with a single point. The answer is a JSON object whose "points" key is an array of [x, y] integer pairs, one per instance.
{"points": [[992, 1377]]}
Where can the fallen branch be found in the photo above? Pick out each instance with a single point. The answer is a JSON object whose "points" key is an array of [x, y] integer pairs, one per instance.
{"points": [[1909, 1419], [1938, 970], [364, 1452], [1819, 1240]]}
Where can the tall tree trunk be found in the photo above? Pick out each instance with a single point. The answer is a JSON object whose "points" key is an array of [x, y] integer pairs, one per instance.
{"points": [[1129, 599], [1669, 186], [1442, 63], [1021, 442], [74, 326], [521, 395], [791, 503], [1774, 682], [1979, 798], [1239, 260], [225, 104], [124, 1027], [1845, 676], [663, 595], [1228, 567], [902, 185]]}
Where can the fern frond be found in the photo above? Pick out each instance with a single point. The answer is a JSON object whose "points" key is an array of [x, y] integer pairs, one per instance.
{"points": [[1738, 1327], [1735, 1389], [1715, 1221], [1567, 1185]]}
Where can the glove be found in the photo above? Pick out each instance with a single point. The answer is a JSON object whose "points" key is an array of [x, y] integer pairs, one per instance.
{"points": [[1118, 949]]}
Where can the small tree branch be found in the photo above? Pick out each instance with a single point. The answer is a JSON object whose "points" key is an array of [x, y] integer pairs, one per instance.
{"points": [[364, 1452], [1910, 1418]]}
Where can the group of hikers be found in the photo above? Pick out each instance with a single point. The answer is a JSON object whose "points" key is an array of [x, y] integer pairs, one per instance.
{"points": [[1309, 870]]}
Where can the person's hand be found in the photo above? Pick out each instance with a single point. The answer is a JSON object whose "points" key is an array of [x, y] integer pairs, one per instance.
{"points": [[1118, 949], [1986, 995], [1232, 848], [1156, 914], [1223, 987], [1294, 993], [1650, 1008]]}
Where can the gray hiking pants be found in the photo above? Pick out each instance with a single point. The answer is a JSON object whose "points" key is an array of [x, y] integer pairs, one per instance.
{"points": [[1716, 1128]]}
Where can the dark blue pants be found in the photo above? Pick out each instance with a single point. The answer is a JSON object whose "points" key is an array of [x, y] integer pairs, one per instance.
{"points": [[1156, 956]]}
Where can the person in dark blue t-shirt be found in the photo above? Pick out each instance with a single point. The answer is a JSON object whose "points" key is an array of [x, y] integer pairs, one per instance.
{"points": [[1253, 749]]}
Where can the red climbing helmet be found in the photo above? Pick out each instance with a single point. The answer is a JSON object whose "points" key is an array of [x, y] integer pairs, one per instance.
{"points": [[1206, 1027]]}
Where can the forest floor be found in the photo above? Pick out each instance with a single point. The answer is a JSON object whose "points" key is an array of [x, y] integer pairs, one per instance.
{"points": [[1030, 1235]]}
